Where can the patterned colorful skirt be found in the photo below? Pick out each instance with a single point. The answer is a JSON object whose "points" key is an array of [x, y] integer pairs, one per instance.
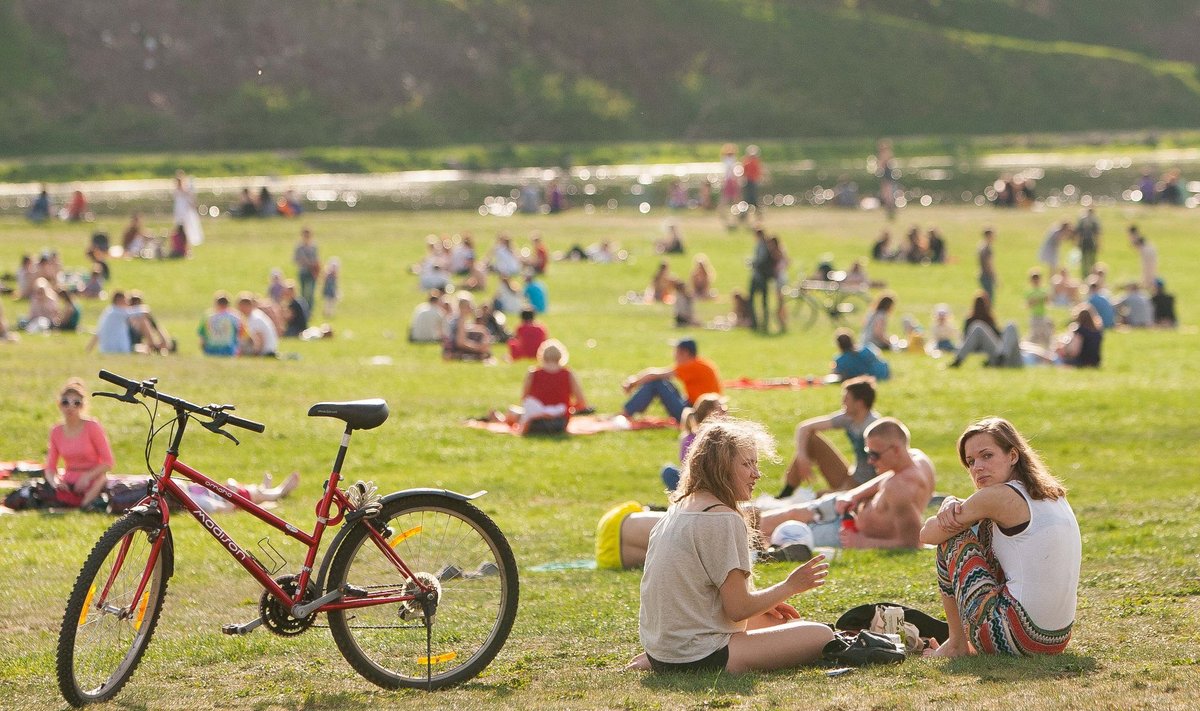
{"points": [[996, 623]]}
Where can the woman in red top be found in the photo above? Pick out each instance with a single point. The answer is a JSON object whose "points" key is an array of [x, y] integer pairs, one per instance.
{"points": [[550, 393], [82, 445]]}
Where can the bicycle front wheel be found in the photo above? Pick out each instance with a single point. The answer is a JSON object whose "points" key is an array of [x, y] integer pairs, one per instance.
{"points": [[105, 630], [446, 543]]}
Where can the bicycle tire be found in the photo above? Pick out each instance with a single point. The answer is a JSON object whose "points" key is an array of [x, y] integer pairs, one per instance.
{"points": [[805, 311], [100, 648], [441, 537]]}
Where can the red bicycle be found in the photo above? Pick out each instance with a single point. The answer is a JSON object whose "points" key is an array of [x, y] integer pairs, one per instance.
{"points": [[419, 587]]}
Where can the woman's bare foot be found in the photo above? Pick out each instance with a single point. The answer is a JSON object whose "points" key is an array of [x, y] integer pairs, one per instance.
{"points": [[949, 649], [289, 484], [639, 663]]}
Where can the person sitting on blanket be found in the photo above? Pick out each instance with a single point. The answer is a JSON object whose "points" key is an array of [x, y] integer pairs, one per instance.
{"points": [[698, 375], [853, 362], [82, 445], [858, 397], [550, 394], [886, 511], [1008, 556]]}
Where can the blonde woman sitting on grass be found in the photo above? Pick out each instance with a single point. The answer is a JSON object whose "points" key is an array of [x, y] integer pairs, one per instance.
{"points": [[550, 395], [700, 610]]}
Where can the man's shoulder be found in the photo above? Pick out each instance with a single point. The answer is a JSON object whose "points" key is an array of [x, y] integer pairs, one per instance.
{"points": [[909, 483]]}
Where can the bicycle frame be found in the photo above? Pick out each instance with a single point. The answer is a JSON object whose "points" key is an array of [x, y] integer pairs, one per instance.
{"points": [[164, 485]]}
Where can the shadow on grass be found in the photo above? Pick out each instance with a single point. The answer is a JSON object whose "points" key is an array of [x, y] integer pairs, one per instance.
{"points": [[1011, 669], [702, 682], [376, 699]]}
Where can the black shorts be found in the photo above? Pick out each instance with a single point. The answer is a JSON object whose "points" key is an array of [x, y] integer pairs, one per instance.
{"points": [[713, 662]]}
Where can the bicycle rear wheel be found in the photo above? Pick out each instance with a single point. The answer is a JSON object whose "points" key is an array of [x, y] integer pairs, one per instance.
{"points": [[440, 539], [105, 630]]}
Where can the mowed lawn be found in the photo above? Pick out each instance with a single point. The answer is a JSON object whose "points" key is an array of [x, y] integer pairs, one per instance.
{"points": [[1123, 439]]}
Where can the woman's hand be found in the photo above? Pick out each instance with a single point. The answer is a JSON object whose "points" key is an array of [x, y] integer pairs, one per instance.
{"points": [[783, 611], [948, 516], [810, 575]]}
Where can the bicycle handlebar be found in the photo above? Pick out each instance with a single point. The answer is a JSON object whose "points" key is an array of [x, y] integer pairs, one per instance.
{"points": [[148, 388]]}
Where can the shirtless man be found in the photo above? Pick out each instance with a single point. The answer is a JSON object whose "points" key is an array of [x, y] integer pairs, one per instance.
{"points": [[887, 510]]}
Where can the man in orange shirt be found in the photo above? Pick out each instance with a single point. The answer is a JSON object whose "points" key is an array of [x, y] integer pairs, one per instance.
{"points": [[698, 375]]}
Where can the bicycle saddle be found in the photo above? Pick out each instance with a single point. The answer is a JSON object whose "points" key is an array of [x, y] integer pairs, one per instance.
{"points": [[357, 414]]}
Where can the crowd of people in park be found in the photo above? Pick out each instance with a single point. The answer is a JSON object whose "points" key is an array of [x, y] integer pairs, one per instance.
{"points": [[1007, 562], [263, 204]]}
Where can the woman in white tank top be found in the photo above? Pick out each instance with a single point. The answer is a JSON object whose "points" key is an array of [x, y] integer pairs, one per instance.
{"points": [[1008, 584]]}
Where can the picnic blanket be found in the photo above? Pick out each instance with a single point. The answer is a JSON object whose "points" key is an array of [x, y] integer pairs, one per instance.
{"points": [[786, 383], [586, 425], [20, 468]]}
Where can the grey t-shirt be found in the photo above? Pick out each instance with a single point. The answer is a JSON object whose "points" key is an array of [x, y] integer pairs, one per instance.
{"points": [[864, 471], [690, 555]]}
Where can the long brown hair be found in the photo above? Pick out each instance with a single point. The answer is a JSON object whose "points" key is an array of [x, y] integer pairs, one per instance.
{"points": [[714, 454], [1029, 469]]}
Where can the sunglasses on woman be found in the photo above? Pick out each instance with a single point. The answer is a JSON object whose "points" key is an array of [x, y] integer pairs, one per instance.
{"points": [[70, 403]]}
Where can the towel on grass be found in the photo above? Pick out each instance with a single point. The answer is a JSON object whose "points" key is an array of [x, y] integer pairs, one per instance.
{"points": [[788, 383], [586, 425]]}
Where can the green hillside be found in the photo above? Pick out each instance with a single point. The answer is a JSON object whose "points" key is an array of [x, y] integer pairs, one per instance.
{"points": [[142, 75]]}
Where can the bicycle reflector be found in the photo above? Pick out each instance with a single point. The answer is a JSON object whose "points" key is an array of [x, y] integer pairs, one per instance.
{"points": [[407, 534], [448, 656], [141, 611], [87, 605]]}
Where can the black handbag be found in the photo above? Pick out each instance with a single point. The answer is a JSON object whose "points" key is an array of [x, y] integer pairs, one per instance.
{"points": [[862, 648]]}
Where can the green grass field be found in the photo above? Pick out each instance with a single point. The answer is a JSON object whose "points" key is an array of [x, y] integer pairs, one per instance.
{"points": [[1122, 438]]}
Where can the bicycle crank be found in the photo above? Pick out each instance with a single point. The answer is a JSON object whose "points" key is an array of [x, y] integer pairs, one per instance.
{"points": [[277, 615]]}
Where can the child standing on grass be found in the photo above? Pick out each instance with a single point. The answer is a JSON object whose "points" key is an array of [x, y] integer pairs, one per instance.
{"points": [[329, 289], [700, 610]]}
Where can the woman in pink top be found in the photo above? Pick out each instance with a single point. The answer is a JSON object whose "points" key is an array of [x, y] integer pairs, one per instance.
{"points": [[82, 446]]}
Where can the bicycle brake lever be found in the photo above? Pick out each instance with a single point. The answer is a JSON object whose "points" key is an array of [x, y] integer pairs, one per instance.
{"points": [[215, 428], [127, 397]]}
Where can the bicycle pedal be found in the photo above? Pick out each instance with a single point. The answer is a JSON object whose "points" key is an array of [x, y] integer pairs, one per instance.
{"points": [[349, 590], [246, 628]]}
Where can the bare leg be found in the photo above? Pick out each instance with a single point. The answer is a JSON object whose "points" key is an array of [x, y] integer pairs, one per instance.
{"points": [[260, 494], [770, 520], [777, 647], [93, 490], [820, 452], [956, 645], [832, 464]]}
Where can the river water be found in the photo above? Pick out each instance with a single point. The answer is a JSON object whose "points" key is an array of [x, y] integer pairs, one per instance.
{"points": [[1098, 178]]}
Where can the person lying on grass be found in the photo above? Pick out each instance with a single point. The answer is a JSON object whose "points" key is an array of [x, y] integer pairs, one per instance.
{"points": [[699, 608], [1008, 556]]}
